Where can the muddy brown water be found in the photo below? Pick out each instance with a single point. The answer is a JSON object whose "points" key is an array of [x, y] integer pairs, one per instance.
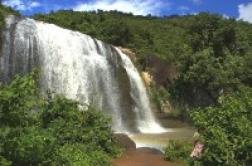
{"points": [[176, 129]]}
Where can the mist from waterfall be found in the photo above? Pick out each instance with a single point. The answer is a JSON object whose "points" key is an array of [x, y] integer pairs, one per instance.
{"points": [[79, 67]]}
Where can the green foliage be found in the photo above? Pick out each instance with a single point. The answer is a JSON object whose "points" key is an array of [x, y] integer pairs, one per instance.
{"points": [[178, 151], [29, 146], [4, 161], [207, 77], [70, 125], [7, 10], [72, 154], [159, 95], [227, 130], [50, 131], [144, 35], [18, 100], [217, 60]]}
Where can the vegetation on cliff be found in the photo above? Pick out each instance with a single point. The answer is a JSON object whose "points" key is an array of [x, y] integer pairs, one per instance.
{"points": [[5, 11]]}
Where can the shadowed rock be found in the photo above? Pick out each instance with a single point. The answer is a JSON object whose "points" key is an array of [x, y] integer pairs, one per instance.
{"points": [[125, 142]]}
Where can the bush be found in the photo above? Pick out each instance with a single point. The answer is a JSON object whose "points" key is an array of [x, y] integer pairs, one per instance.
{"points": [[178, 150], [227, 130], [29, 146], [159, 95], [77, 154], [4, 161], [51, 131]]}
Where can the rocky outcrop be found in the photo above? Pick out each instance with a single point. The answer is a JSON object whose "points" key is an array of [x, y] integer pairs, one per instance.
{"points": [[147, 78], [130, 53], [166, 107], [123, 141]]}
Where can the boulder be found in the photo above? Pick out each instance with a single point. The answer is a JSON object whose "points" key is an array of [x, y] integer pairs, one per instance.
{"points": [[124, 141], [147, 78]]}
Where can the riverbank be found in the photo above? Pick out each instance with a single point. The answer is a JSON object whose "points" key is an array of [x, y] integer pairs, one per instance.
{"points": [[146, 149], [142, 157]]}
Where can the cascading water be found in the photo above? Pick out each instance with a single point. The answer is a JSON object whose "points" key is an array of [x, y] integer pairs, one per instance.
{"points": [[79, 67]]}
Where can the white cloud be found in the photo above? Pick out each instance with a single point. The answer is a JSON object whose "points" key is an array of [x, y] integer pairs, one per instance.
{"points": [[225, 16], [21, 4], [137, 7], [35, 4], [196, 1], [183, 10], [245, 12]]}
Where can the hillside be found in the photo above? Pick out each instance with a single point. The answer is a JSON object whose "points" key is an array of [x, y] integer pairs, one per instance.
{"points": [[199, 56]]}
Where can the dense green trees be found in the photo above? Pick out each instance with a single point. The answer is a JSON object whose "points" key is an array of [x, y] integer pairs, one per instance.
{"points": [[50, 131], [216, 63]]}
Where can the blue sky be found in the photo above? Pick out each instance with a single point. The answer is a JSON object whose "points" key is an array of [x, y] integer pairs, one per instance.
{"points": [[240, 9]]}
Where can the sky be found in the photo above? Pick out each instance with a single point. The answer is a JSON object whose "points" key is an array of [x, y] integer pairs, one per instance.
{"points": [[238, 9]]}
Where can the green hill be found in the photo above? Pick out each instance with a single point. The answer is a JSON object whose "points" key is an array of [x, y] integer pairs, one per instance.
{"points": [[208, 55]]}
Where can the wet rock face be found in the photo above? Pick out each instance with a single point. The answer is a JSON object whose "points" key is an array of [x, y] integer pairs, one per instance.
{"points": [[129, 53], [163, 73], [124, 141], [147, 78]]}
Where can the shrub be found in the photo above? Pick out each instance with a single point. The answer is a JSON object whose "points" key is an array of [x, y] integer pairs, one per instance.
{"points": [[77, 154], [52, 131], [29, 146], [227, 130], [4, 161], [178, 150]]}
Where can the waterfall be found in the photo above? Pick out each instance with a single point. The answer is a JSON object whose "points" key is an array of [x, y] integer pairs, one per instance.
{"points": [[79, 67]]}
